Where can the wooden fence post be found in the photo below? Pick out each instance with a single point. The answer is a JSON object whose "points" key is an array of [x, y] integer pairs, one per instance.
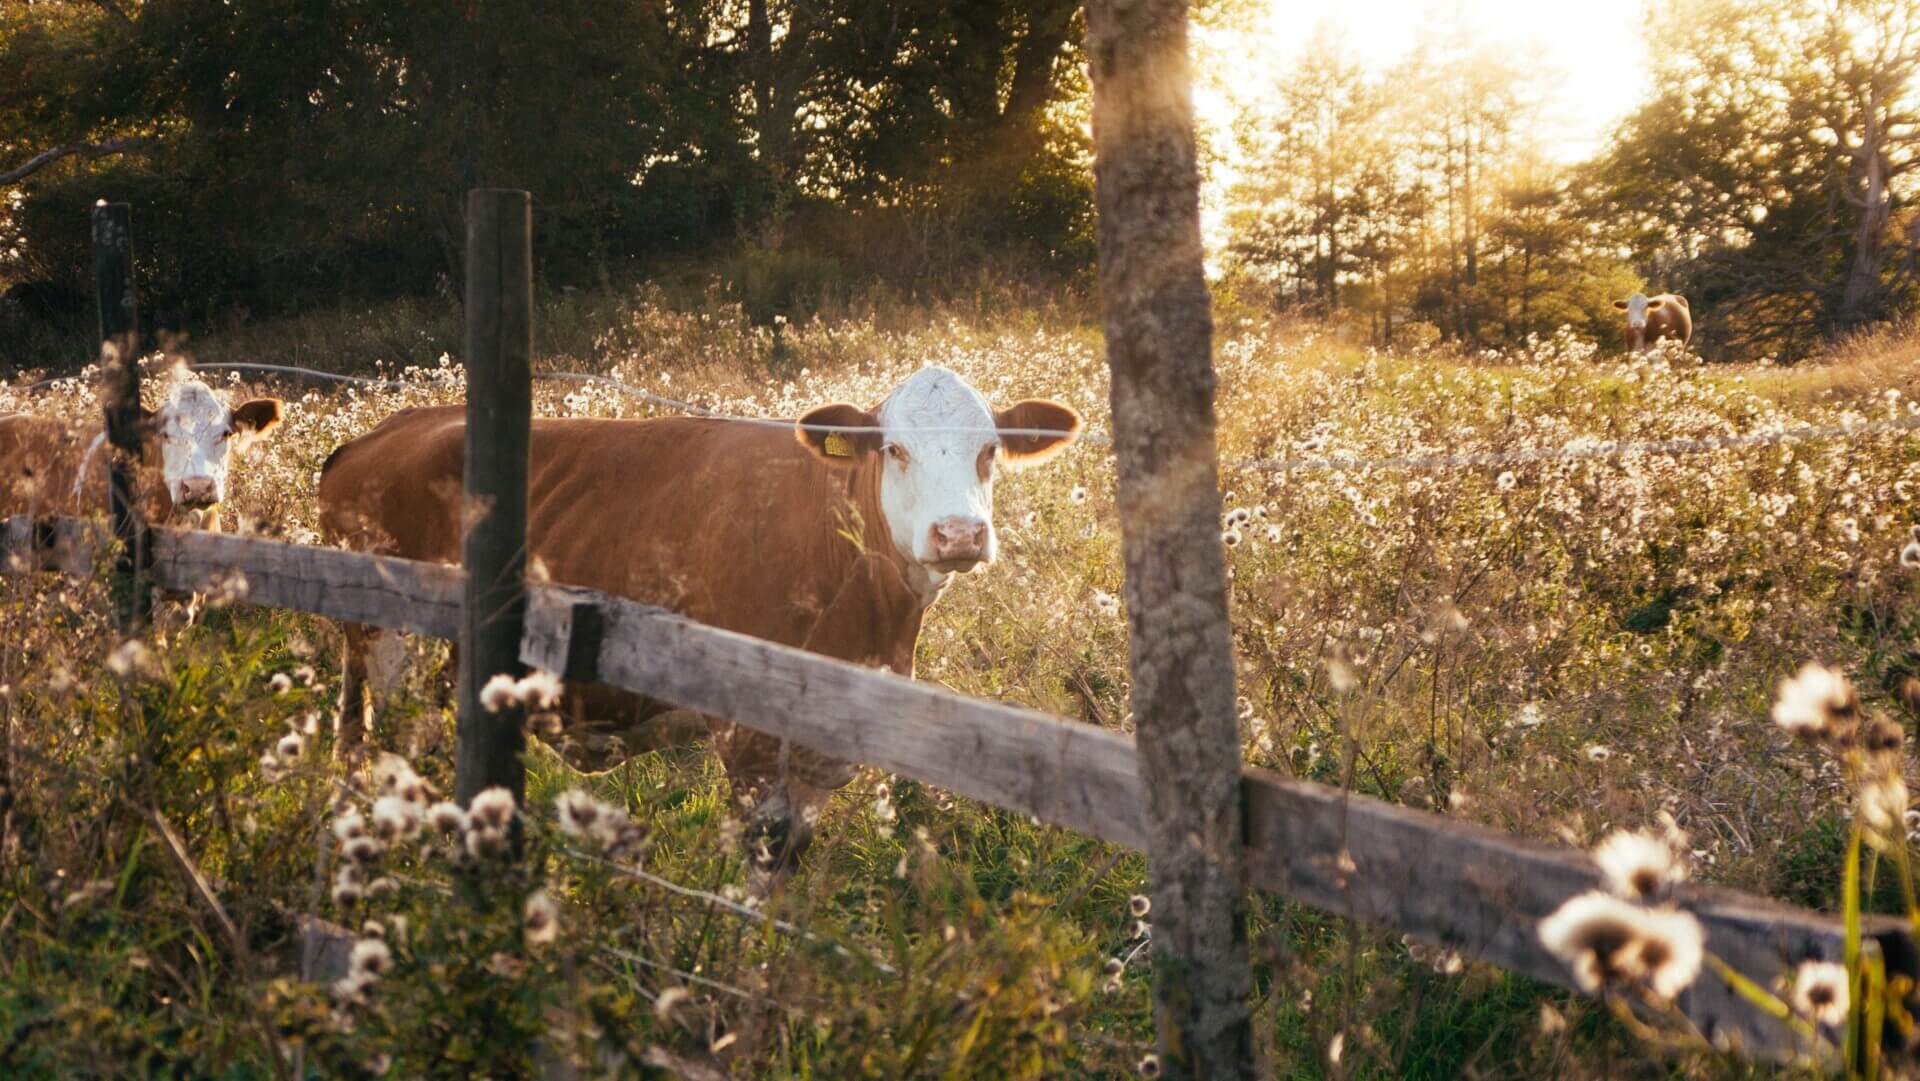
{"points": [[499, 422], [1159, 333], [120, 397]]}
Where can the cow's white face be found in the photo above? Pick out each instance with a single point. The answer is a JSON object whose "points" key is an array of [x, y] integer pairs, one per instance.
{"points": [[198, 436], [1637, 306], [936, 444]]}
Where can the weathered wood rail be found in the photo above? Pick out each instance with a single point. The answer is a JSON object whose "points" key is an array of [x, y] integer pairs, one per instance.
{"points": [[1437, 880]]}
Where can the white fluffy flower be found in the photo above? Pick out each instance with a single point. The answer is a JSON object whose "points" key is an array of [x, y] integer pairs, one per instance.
{"points": [[1815, 702], [1820, 992], [1639, 866]]}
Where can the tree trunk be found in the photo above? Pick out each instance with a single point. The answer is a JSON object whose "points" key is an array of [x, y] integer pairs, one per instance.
{"points": [[1862, 294], [1159, 331]]}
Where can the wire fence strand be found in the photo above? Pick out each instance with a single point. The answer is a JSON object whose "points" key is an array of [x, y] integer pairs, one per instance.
{"points": [[1585, 449]]}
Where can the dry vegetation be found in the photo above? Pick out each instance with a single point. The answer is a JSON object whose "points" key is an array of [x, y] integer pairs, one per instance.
{"points": [[1559, 648]]}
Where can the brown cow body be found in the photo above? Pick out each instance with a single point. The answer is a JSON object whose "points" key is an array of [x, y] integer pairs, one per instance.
{"points": [[1655, 319], [742, 527]]}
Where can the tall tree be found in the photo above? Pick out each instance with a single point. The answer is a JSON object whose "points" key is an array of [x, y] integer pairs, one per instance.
{"points": [[1768, 176], [1159, 333]]}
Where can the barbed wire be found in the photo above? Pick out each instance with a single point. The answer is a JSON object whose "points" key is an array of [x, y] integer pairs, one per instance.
{"points": [[1583, 449]]}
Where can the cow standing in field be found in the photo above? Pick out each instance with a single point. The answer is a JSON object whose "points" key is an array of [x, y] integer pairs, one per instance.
{"points": [[834, 541], [50, 466], [1654, 319]]}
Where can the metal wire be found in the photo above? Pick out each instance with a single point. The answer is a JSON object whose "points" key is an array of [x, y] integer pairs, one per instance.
{"points": [[1579, 450]]}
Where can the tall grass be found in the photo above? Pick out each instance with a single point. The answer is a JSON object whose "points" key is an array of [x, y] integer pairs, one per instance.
{"points": [[1556, 648]]}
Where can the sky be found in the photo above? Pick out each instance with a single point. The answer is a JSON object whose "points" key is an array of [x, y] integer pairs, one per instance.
{"points": [[1593, 51], [1591, 55]]}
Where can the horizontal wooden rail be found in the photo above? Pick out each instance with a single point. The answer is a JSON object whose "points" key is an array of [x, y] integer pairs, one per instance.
{"points": [[1437, 880]]}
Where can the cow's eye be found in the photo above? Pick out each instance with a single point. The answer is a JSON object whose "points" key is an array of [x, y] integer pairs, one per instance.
{"points": [[898, 453], [224, 434]]}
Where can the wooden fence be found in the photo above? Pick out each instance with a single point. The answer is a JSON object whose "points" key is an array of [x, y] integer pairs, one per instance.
{"points": [[1436, 880]]}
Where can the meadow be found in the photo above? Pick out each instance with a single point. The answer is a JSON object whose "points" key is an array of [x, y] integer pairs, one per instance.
{"points": [[1555, 647]]}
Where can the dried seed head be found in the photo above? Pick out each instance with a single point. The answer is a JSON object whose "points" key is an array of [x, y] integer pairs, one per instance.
{"points": [[1639, 866], [1139, 905], [542, 919], [1820, 992], [1817, 703]]}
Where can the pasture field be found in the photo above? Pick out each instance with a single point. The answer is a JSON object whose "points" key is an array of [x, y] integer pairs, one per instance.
{"points": [[1554, 647]]}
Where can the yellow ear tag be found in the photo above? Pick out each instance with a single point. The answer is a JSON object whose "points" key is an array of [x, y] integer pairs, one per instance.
{"points": [[837, 445]]}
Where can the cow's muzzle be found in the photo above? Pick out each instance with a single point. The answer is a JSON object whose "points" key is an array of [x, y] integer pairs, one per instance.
{"points": [[199, 493], [957, 544]]}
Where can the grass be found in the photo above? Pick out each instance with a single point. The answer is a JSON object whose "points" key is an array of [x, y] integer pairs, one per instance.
{"points": [[1554, 648]]}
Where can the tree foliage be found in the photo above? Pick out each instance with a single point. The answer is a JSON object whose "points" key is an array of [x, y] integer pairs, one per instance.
{"points": [[291, 152]]}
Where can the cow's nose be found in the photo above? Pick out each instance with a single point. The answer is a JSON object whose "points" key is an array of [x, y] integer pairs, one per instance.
{"points": [[958, 540], [199, 492]]}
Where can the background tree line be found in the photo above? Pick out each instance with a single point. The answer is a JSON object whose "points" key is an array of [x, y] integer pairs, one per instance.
{"points": [[288, 155], [1768, 178], [292, 153]]}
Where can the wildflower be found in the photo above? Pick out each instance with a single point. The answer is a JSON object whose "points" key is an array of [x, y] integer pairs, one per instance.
{"points": [[1910, 555], [1638, 866], [1115, 966], [1139, 929], [352, 989], [1335, 1047], [281, 683], [1591, 933], [305, 675], [290, 746], [1607, 942], [384, 886], [542, 920], [132, 658], [1238, 516], [397, 779], [349, 825], [541, 690], [1598, 753], [447, 817], [499, 693], [1230, 538], [1883, 804], [1079, 494], [270, 769], [1883, 736], [578, 812], [491, 809], [395, 818], [1273, 534], [1139, 905], [1105, 603], [348, 884], [1820, 992], [1149, 1065], [363, 849], [1506, 481], [1816, 703], [370, 959]]}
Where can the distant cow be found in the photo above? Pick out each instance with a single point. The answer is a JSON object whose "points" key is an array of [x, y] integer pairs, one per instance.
{"points": [[834, 541], [50, 466], [1653, 319]]}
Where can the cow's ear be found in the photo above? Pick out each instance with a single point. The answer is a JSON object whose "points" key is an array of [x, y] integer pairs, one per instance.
{"points": [[819, 431], [1621, 304], [261, 415], [1035, 430], [1655, 305]]}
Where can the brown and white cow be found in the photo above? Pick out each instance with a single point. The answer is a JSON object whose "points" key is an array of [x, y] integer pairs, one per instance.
{"points": [[1654, 319], [834, 541], [50, 466]]}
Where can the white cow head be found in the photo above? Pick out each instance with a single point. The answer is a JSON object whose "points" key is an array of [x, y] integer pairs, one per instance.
{"points": [[935, 440], [1637, 306], [197, 436]]}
